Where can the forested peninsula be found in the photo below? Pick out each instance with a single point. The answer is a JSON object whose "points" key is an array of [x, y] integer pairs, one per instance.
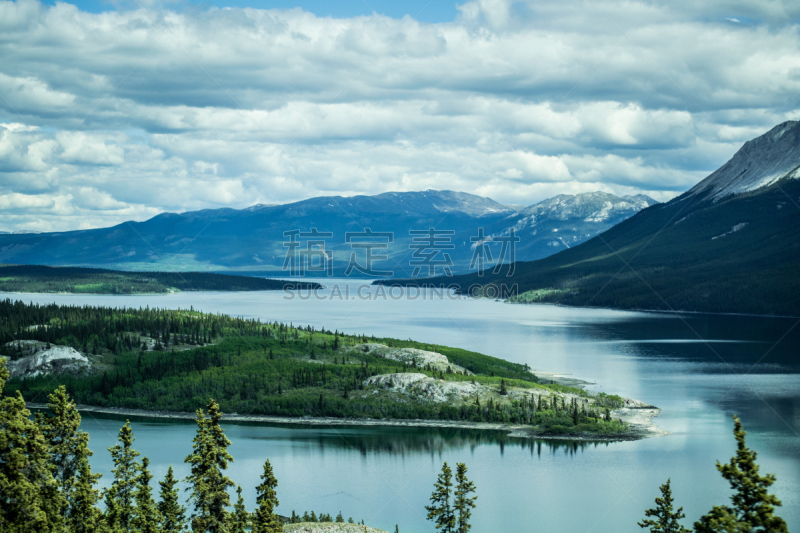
{"points": [[78, 280], [162, 360]]}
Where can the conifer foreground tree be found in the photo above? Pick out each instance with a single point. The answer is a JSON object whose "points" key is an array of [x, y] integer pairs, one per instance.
{"points": [[208, 485], [120, 498], [265, 520], [440, 510], [753, 509], [662, 519], [173, 514], [146, 518], [83, 516], [29, 495], [61, 429], [464, 503], [239, 519]]}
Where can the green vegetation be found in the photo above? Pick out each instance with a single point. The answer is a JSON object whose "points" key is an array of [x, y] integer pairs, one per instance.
{"points": [[663, 519], [37, 278], [47, 485], [753, 508], [172, 359], [452, 516], [537, 296]]}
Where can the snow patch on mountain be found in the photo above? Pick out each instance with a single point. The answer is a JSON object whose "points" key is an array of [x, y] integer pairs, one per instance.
{"points": [[734, 229]]}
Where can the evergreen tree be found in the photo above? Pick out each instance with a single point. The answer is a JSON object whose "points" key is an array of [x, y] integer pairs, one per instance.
{"points": [[30, 499], [753, 507], [208, 460], [265, 520], [339, 518], [146, 518], [239, 518], [60, 428], [662, 519], [121, 496], [464, 503], [83, 515], [173, 514], [440, 510]]}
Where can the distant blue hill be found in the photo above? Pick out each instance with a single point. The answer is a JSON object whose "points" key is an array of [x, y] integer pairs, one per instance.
{"points": [[252, 239]]}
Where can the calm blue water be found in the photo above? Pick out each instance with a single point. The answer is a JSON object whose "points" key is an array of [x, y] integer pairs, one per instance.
{"points": [[699, 369]]}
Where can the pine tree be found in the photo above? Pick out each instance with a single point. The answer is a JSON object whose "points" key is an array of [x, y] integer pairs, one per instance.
{"points": [[173, 514], [753, 507], [83, 515], [662, 519], [60, 428], [120, 497], [239, 518], [146, 517], [30, 499], [339, 518], [265, 520], [503, 389], [440, 511], [464, 503], [208, 460]]}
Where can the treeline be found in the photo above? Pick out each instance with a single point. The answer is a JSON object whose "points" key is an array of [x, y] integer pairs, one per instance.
{"points": [[171, 360], [39, 278]]}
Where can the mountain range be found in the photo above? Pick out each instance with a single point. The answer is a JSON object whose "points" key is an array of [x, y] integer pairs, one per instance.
{"points": [[254, 239], [729, 244]]}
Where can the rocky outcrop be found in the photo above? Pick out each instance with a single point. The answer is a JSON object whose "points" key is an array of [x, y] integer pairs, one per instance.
{"points": [[410, 356], [329, 527], [46, 361], [425, 387]]}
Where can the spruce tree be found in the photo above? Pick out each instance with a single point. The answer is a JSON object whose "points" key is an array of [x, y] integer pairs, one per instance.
{"points": [[83, 515], [663, 519], [265, 520], [440, 510], [208, 485], [120, 498], [146, 517], [239, 518], [464, 503], [753, 507], [30, 499], [61, 429], [173, 514]]}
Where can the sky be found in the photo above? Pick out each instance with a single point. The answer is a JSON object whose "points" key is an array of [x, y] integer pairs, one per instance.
{"points": [[121, 110]]}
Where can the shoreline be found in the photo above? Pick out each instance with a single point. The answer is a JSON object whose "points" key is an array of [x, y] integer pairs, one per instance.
{"points": [[640, 420]]}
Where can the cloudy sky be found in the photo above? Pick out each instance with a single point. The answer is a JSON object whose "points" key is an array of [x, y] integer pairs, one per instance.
{"points": [[113, 111]]}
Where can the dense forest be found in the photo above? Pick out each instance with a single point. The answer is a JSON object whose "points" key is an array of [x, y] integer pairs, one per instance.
{"points": [[162, 359], [48, 485], [38, 278]]}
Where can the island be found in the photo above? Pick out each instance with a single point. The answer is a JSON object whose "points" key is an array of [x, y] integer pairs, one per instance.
{"points": [[167, 363], [79, 280]]}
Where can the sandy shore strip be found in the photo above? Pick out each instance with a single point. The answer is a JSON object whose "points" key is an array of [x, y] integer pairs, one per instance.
{"points": [[639, 416]]}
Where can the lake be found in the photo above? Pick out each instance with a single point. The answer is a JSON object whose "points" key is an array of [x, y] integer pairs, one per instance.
{"points": [[700, 369]]}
